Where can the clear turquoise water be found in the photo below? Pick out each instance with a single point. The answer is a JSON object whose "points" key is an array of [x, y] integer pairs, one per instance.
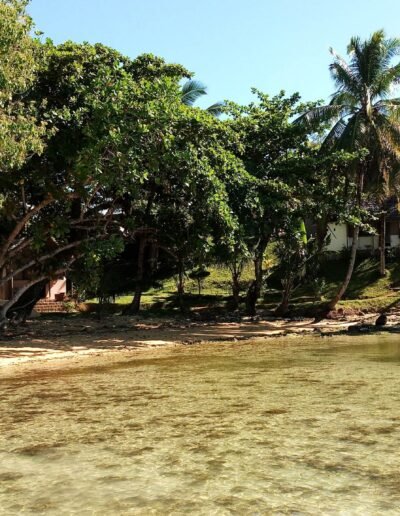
{"points": [[290, 426]]}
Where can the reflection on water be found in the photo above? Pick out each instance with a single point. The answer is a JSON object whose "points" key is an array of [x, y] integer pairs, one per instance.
{"points": [[284, 427]]}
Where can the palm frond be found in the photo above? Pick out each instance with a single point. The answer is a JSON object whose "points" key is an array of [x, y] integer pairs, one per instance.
{"points": [[346, 99], [216, 109], [367, 118], [387, 132], [351, 137], [343, 75], [320, 114], [389, 108], [191, 91], [333, 137], [366, 57], [388, 78]]}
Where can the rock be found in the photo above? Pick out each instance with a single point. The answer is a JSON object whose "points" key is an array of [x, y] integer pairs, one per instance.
{"points": [[381, 321], [360, 328]]}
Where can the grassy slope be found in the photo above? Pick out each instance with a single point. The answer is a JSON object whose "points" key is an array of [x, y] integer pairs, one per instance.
{"points": [[215, 286], [367, 290]]}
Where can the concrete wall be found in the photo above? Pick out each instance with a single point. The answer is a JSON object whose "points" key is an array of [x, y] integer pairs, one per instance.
{"points": [[58, 286], [54, 287], [368, 242], [394, 241], [338, 237]]}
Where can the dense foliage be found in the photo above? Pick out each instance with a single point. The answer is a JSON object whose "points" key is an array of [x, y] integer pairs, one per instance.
{"points": [[108, 170]]}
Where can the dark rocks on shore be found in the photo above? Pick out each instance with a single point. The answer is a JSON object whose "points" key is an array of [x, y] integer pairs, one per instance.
{"points": [[381, 321], [360, 328]]}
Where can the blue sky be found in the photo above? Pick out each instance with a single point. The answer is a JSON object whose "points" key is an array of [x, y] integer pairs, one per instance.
{"points": [[231, 45]]}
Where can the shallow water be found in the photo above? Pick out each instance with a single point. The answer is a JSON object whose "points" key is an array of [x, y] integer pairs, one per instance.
{"points": [[295, 426]]}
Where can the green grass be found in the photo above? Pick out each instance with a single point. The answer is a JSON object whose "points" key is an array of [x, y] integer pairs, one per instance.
{"points": [[216, 285], [367, 291]]}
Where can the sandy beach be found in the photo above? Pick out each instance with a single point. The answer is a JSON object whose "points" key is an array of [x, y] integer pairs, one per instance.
{"points": [[47, 342]]}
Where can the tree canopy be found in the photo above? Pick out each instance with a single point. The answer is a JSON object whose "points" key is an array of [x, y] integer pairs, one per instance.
{"points": [[105, 159]]}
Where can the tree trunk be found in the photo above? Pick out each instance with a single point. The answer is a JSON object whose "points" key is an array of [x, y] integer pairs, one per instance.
{"points": [[181, 286], [258, 275], [321, 233], [382, 242], [251, 299], [254, 290], [22, 302], [287, 291], [332, 304], [134, 307], [235, 290]]}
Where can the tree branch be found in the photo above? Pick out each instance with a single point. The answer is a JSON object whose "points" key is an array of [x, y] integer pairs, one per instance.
{"points": [[39, 260]]}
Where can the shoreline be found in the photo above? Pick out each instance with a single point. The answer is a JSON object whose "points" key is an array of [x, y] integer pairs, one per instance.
{"points": [[53, 343]]}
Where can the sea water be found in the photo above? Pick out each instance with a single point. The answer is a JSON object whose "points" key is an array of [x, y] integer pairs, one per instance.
{"points": [[278, 426]]}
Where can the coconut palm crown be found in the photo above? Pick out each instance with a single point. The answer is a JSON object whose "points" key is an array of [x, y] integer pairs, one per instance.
{"points": [[364, 115], [361, 110], [193, 90]]}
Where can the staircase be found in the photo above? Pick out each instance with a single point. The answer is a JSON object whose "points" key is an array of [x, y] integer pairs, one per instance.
{"points": [[50, 306]]}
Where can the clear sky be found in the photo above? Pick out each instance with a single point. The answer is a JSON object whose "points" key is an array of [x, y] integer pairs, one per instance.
{"points": [[231, 45]]}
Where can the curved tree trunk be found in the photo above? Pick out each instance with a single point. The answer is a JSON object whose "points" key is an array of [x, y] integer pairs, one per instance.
{"points": [[332, 304], [134, 307], [382, 245], [283, 308], [254, 290], [22, 302]]}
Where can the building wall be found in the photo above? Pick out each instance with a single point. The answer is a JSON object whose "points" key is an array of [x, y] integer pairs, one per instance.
{"points": [[394, 241], [5, 289], [54, 287], [368, 242], [58, 286], [338, 237]]}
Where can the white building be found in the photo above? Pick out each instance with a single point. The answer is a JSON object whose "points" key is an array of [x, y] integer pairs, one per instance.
{"points": [[341, 237]]}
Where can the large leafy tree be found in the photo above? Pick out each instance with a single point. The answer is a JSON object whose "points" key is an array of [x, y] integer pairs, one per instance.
{"points": [[20, 132], [269, 144], [106, 118], [363, 116], [317, 188], [185, 203]]}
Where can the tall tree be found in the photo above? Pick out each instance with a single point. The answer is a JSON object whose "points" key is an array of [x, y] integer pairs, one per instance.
{"points": [[20, 132], [363, 116], [105, 115], [268, 143], [185, 202]]}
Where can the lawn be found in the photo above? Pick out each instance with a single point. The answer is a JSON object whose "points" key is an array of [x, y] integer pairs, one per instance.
{"points": [[367, 291]]}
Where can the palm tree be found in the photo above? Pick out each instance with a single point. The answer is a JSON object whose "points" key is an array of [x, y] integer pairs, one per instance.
{"points": [[193, 90], [363, 116]]}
